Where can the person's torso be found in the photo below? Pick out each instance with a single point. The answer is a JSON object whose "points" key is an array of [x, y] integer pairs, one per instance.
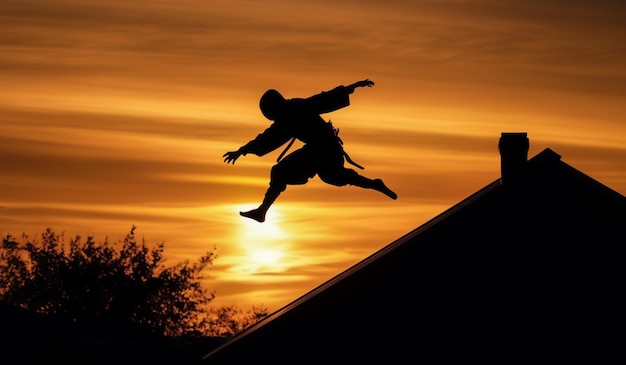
{"points": [[306, 126]]}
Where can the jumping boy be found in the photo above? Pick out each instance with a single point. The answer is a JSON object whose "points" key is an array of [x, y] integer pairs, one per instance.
{"points": [[322, 153]]}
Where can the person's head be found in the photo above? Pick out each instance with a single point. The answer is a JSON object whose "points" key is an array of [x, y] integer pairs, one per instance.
{"points": [[271, 103]]}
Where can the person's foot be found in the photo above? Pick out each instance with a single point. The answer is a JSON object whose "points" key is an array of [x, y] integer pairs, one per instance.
{"points": [[379, 185], [256, 214]]}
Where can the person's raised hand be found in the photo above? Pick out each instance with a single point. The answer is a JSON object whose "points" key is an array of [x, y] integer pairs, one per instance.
{"points": [[362, 83], [366, 82]]}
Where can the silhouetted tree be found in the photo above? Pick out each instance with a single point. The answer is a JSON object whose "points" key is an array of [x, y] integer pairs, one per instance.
{"points": [[110, 289], [227, 321]]}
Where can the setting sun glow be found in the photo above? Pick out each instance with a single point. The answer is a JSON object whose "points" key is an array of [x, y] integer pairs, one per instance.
{"points": [[118, 113], [263, 245]]}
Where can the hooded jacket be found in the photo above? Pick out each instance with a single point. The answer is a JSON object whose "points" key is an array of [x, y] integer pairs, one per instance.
{"points": [[300, 118]]}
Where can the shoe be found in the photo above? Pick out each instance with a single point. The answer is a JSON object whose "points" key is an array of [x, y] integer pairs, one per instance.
{"points": [[379, 185], [256, 214]]}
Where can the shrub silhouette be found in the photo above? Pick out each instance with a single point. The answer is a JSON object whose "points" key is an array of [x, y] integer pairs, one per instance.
{"points": [[126, 291]]}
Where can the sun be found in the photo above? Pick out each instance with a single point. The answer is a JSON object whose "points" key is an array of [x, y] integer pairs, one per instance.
{"points": [[262, 246], [265, 256]]}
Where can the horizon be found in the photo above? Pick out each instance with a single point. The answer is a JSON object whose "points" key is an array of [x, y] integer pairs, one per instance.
{"points": [[117, 114]]}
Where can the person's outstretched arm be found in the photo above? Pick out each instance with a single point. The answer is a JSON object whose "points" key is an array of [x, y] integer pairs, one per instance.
{"points": [[271, 138], [362, 83], [232, 156]]}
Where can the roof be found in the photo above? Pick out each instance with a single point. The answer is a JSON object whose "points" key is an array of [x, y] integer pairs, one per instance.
{"points": [[521, 268]]}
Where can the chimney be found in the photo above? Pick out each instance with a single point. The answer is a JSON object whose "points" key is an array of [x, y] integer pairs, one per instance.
{"points": [[513, 156]]}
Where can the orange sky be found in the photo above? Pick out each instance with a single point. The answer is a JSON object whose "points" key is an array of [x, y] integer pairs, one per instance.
{"points": [[117, 113]]}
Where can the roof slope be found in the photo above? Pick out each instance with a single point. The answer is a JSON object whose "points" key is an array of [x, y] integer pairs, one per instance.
{"points": [[513, 269]]}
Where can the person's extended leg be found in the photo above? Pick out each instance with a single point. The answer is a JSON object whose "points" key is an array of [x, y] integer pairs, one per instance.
{"points": [[295, 169], [350, 177], [376, 184]]}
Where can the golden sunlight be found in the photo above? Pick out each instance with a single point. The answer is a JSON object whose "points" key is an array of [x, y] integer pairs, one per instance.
{"points": [[263, 245]]}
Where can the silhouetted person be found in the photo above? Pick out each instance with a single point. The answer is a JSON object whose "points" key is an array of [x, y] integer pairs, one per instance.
{"points": [[322, 153]]}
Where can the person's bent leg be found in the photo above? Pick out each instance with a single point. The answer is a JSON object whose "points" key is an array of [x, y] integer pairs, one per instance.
{"points": [[294, 169], [259, 213]]}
